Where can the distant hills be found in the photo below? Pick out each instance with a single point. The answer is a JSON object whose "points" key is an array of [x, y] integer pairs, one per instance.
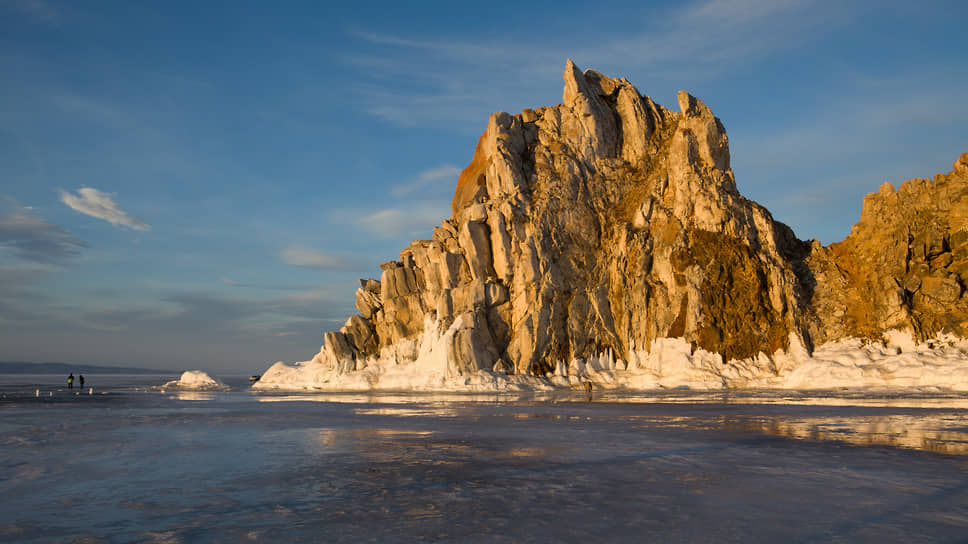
{"points": [[21, 367]]}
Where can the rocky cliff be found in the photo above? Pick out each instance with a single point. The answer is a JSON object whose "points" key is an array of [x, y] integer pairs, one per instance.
{"points": [[904, 265], [604, 223]]}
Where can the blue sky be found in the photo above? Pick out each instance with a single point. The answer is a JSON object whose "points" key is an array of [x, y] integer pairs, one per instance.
{"points": [[200, 184]]}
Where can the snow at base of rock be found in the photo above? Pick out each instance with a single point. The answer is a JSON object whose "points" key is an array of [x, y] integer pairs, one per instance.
{"points": [[195, 380], [900, 363]]}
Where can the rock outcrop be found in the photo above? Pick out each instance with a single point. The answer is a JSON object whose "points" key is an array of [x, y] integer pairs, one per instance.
{"points": [[903, 266], [604, 223]]}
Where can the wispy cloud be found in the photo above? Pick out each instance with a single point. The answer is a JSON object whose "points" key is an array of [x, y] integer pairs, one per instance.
{"points": [[33, 238], [878, 116], [452, 78], [312, 258], [94, 203], [200, 315], [444, 173], [38, 10], [710, 37], [205, 313], [79, 107], [421, 203], [431, 106], [265, 286], [191, 329], [407, 222], [813, 171]]}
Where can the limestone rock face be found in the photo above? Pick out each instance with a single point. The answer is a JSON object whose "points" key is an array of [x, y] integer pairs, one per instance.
{"points": [[904, 264], [608, 221]]}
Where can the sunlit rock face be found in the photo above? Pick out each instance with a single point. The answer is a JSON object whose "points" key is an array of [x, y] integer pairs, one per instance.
{"points": [[608, 221], [903, 266]]}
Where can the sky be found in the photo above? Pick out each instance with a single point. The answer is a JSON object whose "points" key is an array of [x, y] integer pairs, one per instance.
{"points": [[199, 185]]}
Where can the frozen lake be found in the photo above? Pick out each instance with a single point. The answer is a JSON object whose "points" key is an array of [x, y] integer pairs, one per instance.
{"points": [[134, 465]]}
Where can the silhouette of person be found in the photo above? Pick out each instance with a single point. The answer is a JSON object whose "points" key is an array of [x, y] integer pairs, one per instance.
{"points": [[70, 381], [81, 378]]}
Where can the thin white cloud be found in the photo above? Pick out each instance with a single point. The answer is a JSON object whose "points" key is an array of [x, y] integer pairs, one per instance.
{"points": [[32, 238], [407, 222], [83, 107], [266, 286], [730, 13], [311, 258], [453, 79], [728, 28], [708, 38], [445, 173], [875, 117], [94, 203]]}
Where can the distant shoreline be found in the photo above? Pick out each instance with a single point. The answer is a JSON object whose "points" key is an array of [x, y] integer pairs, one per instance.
{"points": [[18, 367]]}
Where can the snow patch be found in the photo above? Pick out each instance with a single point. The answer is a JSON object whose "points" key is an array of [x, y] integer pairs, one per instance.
{"points": [[424, 364], [196, 380], [420, 364]]}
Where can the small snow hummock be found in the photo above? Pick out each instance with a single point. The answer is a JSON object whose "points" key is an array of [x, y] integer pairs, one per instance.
{"points": [[196, 380]]}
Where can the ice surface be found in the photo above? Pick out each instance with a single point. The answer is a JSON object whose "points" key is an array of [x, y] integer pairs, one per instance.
{"points": [[668, 466], [195, 380], [899, 363]]}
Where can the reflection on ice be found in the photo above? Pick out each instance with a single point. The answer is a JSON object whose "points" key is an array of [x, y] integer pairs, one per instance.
{"points": [[938, 434], [891, 399], [528, 452], [934, 430], [425, 411], [192, 395], [887, 402], [326, 438], [379, 397], [928, 423], [388, 433]]}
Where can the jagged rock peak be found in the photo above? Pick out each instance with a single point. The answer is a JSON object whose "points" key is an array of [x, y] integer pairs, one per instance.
{"points": [[961, 165], [597, 225], [600, 119], [592, 229]]}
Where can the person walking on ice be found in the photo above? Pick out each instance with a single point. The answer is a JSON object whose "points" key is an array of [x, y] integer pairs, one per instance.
{"points": [[81, 378], [70, 381]]}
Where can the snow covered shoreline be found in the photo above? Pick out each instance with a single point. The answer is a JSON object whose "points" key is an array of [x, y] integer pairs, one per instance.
{"points": [[899, 363]]}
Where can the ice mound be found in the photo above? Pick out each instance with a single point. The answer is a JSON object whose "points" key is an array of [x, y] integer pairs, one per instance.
{"points": [[898, 364], [420, 364], [196, 380]]}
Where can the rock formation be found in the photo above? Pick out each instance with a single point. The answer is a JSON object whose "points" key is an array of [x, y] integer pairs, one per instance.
{"points": [[608, 221], [903, 266]]}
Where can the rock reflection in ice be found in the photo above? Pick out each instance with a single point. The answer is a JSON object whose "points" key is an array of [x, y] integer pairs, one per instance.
{"points": [[937, 434], [425, 411], [192, 395], [929, 423], [938, 431], [378, 397], [891, 399], [326, 439]]}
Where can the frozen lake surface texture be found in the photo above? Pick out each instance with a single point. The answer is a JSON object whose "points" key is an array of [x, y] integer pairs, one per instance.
{"points": [[134, 464]]}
